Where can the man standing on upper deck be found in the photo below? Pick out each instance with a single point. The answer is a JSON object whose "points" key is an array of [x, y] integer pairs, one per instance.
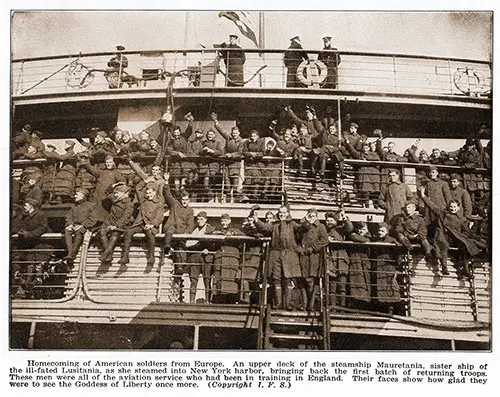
{"points": [[116, 66], [234, 60], [331, 60], [293, 57]]}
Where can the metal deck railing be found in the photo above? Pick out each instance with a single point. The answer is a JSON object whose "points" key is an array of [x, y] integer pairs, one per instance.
{"points": [[263, 69]]}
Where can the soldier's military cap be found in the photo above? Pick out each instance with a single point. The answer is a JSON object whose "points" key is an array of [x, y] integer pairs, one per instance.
{"points": [[120, 47], [411, 201], [225, 216], [296, 38], [27, 128], [50, 146], [383, 225], [122, 188], [82, 190], [32, 201], [353, 124], [233, 35], [455, 176], [201, 214]]}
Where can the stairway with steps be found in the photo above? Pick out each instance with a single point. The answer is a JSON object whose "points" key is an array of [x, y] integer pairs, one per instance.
{"points": [[287, 330], [437, 297]]}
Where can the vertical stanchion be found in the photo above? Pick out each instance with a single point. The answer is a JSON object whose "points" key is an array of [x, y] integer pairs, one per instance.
{"points": [[31, 338]]}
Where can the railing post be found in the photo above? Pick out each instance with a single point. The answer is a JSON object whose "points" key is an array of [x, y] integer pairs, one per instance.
{"points": [[450, 77], [263, 299], [395, 81]]}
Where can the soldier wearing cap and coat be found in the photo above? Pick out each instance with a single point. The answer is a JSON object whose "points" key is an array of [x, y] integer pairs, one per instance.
{"points": [[78, 220], [331, 59], [313, 241], [65, 178], [119, 219], [293, 57], [148, 220], [393, 196], [338, 227], [452, 229], [461, 195], [226, 268], [234, 59], [29, 227], [384, 266], [438, 191], [105, 179], [283, 255], [409, 227], [50, 169], [31, 189], [199, 260]]}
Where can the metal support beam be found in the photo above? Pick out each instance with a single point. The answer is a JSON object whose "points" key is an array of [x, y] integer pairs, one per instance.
{"points": [[196, 337]]}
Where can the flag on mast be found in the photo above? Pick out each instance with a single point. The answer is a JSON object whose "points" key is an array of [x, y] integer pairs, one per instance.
{"points": [[240, 19]]}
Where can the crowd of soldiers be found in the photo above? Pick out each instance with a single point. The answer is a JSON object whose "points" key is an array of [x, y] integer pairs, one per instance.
{"points": [[116, 195]]}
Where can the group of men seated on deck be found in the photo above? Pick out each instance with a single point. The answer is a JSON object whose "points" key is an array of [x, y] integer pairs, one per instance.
{"points": [[360, 275], [218, 164]]}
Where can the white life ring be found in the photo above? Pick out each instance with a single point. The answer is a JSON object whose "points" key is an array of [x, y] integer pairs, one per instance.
{"points": [[312, 72]]}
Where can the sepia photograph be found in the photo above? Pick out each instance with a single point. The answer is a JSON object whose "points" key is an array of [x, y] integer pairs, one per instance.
{"points": [[250, 180]]}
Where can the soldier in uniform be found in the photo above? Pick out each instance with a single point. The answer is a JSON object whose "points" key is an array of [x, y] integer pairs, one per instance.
{"points": [[199, 259], [338, 227], [329, 148], [180, 220], [314, 239], [178, 148], [106, 178], [283, 256], [438, 191], [234, 151], [148, 220], [234, 59], [393, 196], [113, 227], [452, 229], [367, 177], [31, 188], [78, 220], [458, 193], [65, 178], [29, 226], [385, 271], [210, 168], [253, 150], [409, 227], [293, 57], [226, 269], [331, 59], [359, 269]]}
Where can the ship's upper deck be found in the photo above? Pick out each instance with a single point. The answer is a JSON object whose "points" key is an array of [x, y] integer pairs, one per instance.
{"points": [[363, 77]]}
